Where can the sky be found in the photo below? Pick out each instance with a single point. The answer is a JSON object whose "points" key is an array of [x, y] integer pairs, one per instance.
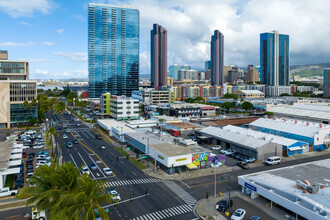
{"points": [[52, 34]]}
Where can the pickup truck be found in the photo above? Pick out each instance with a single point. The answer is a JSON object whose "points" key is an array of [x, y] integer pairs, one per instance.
{"points": [[7, 192]]}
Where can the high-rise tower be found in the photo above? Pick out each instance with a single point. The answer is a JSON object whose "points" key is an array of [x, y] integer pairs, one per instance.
{"points": [[217, 58], [158, 57], [274, 58], [113, 49]]}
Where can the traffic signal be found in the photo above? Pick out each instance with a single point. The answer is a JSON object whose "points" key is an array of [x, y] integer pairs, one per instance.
{"points": [[127, 157], [207, 195], [117, 158]]}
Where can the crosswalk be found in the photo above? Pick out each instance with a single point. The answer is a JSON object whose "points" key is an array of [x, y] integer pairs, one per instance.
{"points": [[186, 197], [166, 213], [131, 182]]}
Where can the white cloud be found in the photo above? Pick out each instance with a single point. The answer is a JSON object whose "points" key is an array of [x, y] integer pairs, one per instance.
{"points": [[60, 31], [39, 60], [41, 72], [14, 44], [47, 43], [190, 24], [24, 8], [72, 74], [80, 57], [26, 24]]}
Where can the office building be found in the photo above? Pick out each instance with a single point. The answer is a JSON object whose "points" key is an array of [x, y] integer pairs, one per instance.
{"points": [[158, 57], [217, 58], [233, 74], [152, 96], [113, 50], [15, 88], [274, 59], [3, 55], [249, 94], [188, 74], [326, 84], [252, 75], [207, 65], [174, 69], [123, 108]]}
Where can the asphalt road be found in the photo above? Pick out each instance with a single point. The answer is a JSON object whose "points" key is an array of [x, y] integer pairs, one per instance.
{"points": [[156, 198]]}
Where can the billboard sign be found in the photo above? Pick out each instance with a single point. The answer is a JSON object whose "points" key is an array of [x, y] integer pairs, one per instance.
{"points": [[216, 161]]}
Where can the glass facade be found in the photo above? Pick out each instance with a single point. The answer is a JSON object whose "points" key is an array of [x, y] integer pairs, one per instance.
{"points": [[217, 58], [20, 114], [113, 50], [274, 59]]}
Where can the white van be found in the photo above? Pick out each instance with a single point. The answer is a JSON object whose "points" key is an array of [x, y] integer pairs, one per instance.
{"points": [[39, 216], [273, 161]]}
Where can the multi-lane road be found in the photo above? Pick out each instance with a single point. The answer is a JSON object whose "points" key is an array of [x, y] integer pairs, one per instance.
{"points": [[154, 198]]}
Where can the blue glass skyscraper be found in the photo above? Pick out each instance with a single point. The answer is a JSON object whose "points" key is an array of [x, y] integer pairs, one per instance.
{"points": [[274, 59], [113, 49]]}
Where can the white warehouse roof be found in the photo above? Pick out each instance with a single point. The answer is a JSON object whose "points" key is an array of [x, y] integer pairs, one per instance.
{"points": [[289, 126], [260, 135], [234, 137], [303, 110]]}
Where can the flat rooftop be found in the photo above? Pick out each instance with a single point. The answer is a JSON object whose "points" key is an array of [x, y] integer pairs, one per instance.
{"points": [[5, 154], [282, 181], [184, 124], [171, 149]]}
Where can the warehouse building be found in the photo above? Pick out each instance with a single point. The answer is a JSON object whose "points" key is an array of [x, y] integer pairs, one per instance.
{"points": [[315, 134], [311, 112], [290, 146], [242, 143], [115, 128], [300, 189], [170, 153]]}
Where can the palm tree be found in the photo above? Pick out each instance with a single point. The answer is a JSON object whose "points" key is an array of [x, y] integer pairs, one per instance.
{"points": [[85, 201], [51, 132], [64, 194]]}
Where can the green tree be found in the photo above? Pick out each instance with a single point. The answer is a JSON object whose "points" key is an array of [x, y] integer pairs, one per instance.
{"points": [[33, 121], [69, 101], [59, 107], [227, 105], [247, 105], [268, 113], [199, 99], [63, 193], [189, 100], [230, 96], [25, 104], [285, 94], [72, 95]]}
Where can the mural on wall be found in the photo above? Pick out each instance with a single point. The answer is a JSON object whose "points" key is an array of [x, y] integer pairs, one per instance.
{"points": [[197, 158], [216, 161]]}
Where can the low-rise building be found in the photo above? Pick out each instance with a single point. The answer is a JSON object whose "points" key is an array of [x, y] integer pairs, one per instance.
{"points": [[251, 94], [105, 103], [315, 134], [185, 110], [152, 96], [183, 126], [244, 144], [115, 128], [124, 108], [169, 154], [10, 159], [303, 189]]}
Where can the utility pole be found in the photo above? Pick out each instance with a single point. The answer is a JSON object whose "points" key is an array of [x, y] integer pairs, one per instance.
{"points": [[215, 181], [155, 161]]}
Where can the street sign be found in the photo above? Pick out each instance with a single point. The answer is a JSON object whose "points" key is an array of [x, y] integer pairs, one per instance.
{"points": [[128, 148], [143, 157]]}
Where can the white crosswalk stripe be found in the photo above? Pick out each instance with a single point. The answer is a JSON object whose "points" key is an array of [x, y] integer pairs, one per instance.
{"points": [[166, 213], [186, 197], [132, 182]]}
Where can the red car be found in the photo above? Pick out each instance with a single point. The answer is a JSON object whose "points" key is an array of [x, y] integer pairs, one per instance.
{"points": [[24, 154]]}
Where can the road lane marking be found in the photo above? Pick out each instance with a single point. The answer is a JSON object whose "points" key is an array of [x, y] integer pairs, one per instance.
{"points": [[74, 161], [184, 184], [87, 165], [97, 166]]}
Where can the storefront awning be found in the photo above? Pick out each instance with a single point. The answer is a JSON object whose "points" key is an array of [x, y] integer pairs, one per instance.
{"points": [[192, 166], [295, 148]]}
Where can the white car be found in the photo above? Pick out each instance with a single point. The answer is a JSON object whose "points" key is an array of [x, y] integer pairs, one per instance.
{"points": [[223, 151], [39, 216], [217, 147], [40, 163], [85, 169], [238, 214], [7, 192], [107, 171], [114, 195], [43, 157], [65, 136], [68, 130]]}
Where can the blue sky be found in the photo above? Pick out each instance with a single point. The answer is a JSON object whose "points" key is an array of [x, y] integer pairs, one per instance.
{"points": [[52, 34]]}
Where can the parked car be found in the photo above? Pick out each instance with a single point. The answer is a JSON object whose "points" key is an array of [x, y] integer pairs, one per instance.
{"points": [[273, 161], [223, 151], [244, 165], [93, 166], [107, 171], [250, 160], [43, 153], [238, 214], [255, 218], [43, 157], [223, 205], [75, 141], [216, 147], [24, 154], [231, 153], [40, 163], [98, 137], [84, 169], [114, 195]]}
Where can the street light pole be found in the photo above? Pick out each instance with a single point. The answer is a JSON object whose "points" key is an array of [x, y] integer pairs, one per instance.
{"points": [[215, 181], [155, 161]]}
